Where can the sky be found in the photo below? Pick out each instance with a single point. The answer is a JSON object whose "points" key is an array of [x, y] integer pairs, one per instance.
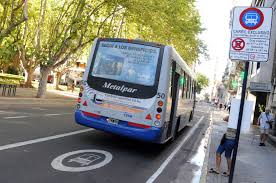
{"points": [[215, 18]]}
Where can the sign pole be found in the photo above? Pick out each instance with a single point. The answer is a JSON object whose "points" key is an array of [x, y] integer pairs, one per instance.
{"points": [[239, 122]]}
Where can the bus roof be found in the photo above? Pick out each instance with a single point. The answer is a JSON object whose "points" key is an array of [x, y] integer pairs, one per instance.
{"points": [[136, 41]]}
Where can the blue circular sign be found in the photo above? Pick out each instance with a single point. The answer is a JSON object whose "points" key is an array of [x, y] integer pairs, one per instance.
{"points": [[251, 18]]}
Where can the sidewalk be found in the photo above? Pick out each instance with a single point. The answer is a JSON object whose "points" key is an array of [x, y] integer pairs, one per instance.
{"points": [[254, 164], [24, 95]]}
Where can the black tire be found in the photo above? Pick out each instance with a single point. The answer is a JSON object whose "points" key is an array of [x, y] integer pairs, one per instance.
{"points": [[191, 116], [175, 132]]}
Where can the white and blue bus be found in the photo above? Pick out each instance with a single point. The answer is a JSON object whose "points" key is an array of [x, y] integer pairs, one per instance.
{"points": [[136, 89]]}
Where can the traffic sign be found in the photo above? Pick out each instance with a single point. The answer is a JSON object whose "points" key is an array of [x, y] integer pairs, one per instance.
{"points": [[250, 35], [251, 18], [238, 44]]}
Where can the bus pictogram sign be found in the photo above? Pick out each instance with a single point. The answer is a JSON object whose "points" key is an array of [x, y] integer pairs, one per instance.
{"points": [[250, 34], [238, 44], [251, 18]]}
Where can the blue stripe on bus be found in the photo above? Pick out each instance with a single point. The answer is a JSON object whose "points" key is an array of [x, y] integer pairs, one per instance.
{"points": [[152, 134]]}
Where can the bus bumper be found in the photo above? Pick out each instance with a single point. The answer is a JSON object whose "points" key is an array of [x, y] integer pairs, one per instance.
{"points": [[152, 134]]}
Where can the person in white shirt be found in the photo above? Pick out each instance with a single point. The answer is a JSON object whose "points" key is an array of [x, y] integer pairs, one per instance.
{"points": [[265, 120]]}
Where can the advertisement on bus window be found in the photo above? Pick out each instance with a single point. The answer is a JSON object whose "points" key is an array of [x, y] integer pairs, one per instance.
{"points": [[127, 62]]}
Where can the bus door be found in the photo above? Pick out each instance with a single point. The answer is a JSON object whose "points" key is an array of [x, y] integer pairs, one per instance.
{"points": [[174, 93]]}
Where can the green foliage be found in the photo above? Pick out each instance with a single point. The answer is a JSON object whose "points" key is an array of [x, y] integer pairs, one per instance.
{"points": [[8, 53], [11, 79], [234, 84], [171, 22], [12, 14], [261, 108], [202, 82], [58, 30]]}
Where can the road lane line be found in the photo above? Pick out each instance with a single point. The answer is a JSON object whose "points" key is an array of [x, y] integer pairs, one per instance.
{"points": [[52, 114], [24, 143], [167, 161], [15, 117], [58, 114], [7, 112]]}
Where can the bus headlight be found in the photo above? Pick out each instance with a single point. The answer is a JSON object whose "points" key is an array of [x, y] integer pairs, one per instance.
{"points": [[156, 123]]}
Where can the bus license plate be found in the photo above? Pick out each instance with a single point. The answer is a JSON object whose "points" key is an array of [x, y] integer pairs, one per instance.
{"points": [[113, 121]]}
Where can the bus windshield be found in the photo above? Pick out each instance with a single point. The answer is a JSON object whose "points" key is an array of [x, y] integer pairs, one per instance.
{"points": [[127, 62]]}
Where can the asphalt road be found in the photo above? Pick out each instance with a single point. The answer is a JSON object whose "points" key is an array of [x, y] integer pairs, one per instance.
{"points": [[33, 135]]}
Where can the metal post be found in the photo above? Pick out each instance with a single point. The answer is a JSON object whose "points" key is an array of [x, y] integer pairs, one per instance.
{"points": [[239, 122]]}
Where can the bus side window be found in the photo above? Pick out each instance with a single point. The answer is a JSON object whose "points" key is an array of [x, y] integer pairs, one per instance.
{"points": [[194, 84], [191, 92], [193, 89], [183, 85], [188, 87], [173, 70]]}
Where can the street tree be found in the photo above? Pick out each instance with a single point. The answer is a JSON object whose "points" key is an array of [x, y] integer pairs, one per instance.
{"points": [[65, 68], [175, 23], [59, 30], [202, 82], [30, 41], [8, 53], [12, 14], [67, 28]]}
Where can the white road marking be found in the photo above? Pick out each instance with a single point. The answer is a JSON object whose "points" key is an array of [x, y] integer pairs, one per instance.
{"points": [[18, 144], [82, 160], [7, 112], [57, 114], [167, 161], [15, 117], [52, 114], [38, 108]]}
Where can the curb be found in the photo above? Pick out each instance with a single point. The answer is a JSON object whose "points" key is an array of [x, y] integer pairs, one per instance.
{"points": [[204, 170]]}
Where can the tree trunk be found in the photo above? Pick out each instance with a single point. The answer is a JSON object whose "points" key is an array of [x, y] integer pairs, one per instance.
{"points": [[29, 75], [58, 78], [44, 72]]}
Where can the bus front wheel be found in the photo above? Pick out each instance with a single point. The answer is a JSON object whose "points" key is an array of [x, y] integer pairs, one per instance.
{"points": [[191, 116]]}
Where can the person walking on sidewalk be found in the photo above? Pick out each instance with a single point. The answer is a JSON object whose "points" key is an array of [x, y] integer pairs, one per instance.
{"points": [[265, 120], [227, 145]]}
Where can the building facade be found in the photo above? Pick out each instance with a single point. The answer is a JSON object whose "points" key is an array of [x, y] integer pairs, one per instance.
{"points": [[262, 76]]}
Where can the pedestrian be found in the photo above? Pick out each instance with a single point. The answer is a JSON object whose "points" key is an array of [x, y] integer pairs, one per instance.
{"points": [[220, 106], [216, 103], [226, 146], [229, 106], [265, 121], [73, 86]]}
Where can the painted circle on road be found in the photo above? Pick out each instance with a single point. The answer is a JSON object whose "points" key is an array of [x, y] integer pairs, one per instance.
{"points": [[251, 18], [238, 44], [81, 160]]}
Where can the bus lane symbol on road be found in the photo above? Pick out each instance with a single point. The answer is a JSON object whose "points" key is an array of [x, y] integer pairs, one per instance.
{"points": [[81, 160], [238, 44]]}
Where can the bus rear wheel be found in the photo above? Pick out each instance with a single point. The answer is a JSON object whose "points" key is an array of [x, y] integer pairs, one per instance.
{"points": [[176, 133], [191, 116]]}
